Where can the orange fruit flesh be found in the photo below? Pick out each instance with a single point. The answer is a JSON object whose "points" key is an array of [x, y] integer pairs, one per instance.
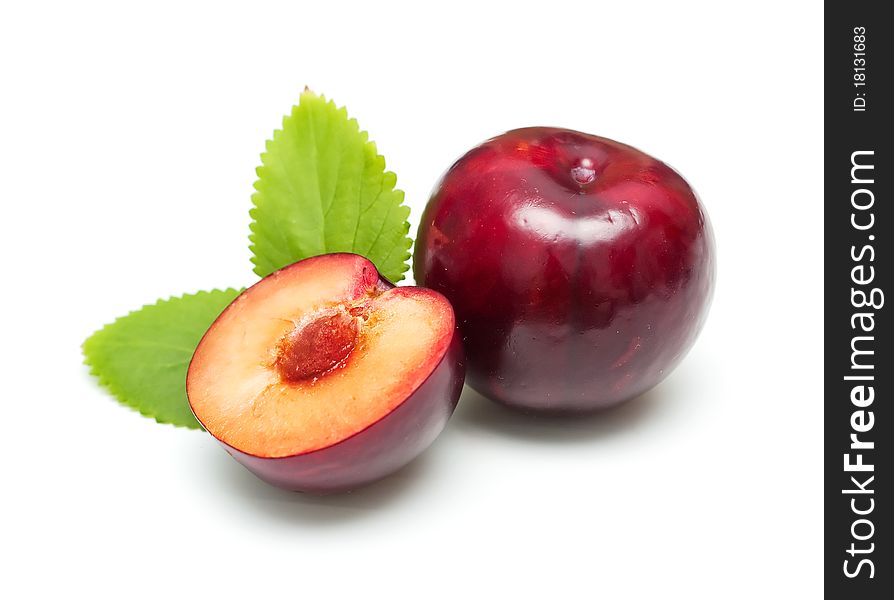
{"points": [[312, 355]]}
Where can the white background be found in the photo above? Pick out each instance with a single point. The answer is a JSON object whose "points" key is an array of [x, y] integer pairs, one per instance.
{"points": [[128, 143]]}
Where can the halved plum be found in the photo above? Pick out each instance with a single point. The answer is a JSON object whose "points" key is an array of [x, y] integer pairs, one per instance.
{"points": [[324, 377]]}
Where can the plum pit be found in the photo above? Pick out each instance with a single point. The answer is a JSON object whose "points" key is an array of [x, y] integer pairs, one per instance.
{"points": [[319, 344]]}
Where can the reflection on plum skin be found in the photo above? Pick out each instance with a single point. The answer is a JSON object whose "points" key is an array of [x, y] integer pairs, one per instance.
{"points": [[550, 225]]}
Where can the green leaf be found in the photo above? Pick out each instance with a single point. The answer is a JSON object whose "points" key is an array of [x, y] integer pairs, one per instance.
{"points": [[142, 358], [322, 187]]}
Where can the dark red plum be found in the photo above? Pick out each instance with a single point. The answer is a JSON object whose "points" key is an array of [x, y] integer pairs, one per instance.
{"points": [[580, 269]]}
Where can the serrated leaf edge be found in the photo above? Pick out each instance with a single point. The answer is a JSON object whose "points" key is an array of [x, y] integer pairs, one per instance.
{"points": [[116, 393], [367, 143]]}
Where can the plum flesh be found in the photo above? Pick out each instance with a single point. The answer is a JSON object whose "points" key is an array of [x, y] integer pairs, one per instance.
{"points": [[324, 377]]}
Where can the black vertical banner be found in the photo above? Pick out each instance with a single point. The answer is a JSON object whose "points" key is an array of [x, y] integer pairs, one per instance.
{"points": [[859, 367]]}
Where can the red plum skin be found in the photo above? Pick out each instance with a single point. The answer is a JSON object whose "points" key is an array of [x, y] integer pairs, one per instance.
{"points": [[580, 269]]}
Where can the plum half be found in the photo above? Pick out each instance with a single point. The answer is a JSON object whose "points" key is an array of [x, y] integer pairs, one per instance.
{"points": [[324, 377], [580, 268]]}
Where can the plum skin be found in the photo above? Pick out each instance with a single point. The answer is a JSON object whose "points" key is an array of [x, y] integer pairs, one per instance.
{"points": [[381, 449], [580, 269]]}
